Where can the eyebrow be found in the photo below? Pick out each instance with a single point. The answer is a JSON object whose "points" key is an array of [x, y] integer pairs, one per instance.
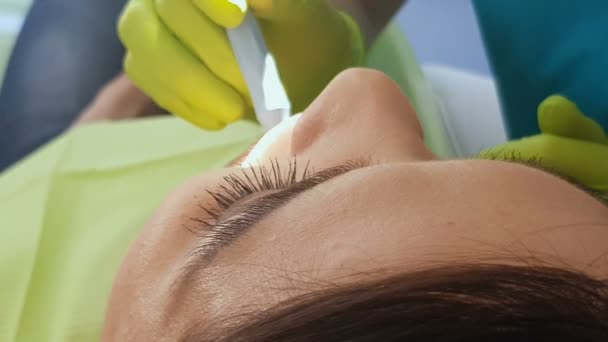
{"points": [[225, 232]]}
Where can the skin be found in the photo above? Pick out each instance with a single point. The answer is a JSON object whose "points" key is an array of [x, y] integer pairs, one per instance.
{"points": [[119, 99], [407, 209]]}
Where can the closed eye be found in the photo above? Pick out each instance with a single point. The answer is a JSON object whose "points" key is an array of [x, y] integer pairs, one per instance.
{"points": [[536, 162], [235, 211]]}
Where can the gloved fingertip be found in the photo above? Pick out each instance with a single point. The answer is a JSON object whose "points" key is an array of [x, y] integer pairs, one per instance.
{"points": [[557, 104], [560, 116], [206, 123], [226, 13], [554, 112]]}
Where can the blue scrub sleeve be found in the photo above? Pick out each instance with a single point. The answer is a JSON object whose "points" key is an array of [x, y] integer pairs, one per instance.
{"points": [[540, 48]]}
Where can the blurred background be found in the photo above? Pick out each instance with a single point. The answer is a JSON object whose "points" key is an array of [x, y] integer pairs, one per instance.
{"points": [[441, 32], [445, 32], [11, 17]]}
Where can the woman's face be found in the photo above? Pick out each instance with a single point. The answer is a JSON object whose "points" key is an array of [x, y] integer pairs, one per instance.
{"points": [[386, 204]]}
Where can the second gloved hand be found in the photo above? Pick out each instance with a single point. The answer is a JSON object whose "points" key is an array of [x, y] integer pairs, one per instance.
{"points": [[179, 54], [570, 143]]}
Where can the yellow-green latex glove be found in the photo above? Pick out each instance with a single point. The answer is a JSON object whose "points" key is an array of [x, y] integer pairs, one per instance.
{"points": [[570, 143], [179, 54]]}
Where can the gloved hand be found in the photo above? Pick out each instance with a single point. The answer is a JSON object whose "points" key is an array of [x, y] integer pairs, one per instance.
{"points": [[179, 53], [570, 143]]}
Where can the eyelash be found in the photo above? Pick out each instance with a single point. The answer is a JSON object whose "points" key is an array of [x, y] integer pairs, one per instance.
{"points": [[247, 182], [537, 162], [216, 231], [513, 156], [240, 185]]}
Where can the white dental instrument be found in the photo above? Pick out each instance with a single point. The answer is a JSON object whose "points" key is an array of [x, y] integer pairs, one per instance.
{"points": [[259, 68]]}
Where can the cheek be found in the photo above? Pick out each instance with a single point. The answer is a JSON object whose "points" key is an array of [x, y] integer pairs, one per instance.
{"points": [[142, 288]]}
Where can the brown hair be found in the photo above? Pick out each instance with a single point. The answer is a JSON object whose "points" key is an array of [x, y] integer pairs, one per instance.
{"points": [[468, 302]]}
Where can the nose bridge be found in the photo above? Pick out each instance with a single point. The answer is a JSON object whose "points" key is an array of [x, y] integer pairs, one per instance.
{"points": [[362, 113]]}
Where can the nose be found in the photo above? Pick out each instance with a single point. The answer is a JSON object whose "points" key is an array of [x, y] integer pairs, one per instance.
{"points": [[361, 113]]}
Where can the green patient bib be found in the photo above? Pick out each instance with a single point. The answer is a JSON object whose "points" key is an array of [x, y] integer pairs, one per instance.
{"points": [[69, 212]]}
